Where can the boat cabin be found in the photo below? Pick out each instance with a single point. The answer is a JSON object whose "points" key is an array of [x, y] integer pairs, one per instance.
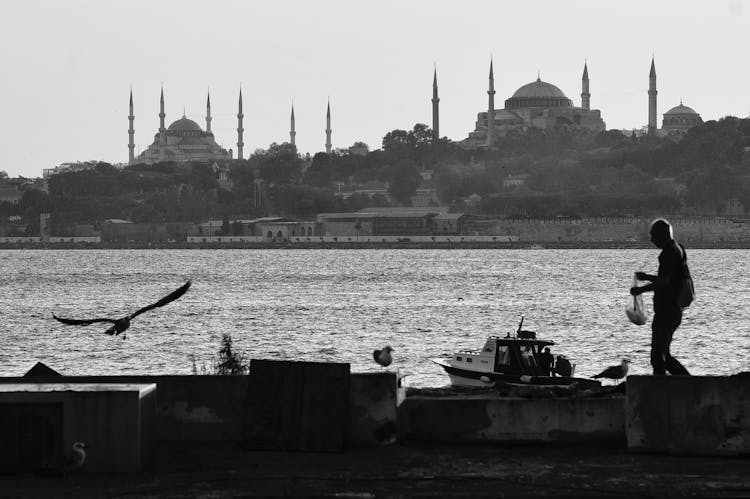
{"points": [[508, 355]]}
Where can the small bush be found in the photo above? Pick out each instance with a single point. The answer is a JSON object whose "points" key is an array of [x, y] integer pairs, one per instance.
{"points": [[227, 362]]}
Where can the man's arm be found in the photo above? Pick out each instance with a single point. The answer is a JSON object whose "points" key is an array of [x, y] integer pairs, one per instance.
{"points": [[662, 280], [657, 283]]}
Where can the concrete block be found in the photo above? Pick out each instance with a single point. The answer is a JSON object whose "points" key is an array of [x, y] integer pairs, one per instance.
{"points": [[117, 422], [701, 415], [508, 419], [374, 399]]}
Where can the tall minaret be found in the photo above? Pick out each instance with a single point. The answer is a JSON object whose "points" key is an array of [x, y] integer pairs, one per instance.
{"points": [[585, 95], [491, 110], [328, 128], [208, 112], [162, 129], [292, 133], [131, 132], [435, 110], [652, 99], [240, 144]]}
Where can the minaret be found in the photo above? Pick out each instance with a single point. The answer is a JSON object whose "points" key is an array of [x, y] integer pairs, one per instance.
{"points": [[491, 110], [328, 128], [131, 132], [240, 144], [652, 99], [208, 112], [435, 110], [585, 95], [292, 133], [162, 129]]}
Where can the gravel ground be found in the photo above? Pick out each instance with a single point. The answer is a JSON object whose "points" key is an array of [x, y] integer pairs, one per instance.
{"points": [[219, 470]]}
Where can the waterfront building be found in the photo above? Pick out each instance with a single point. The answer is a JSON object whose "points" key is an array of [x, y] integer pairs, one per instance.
{"points": [[680, 119], [435, 109], [652, 99], [676, 121], [292, 131], [184, 139], [328, 128], [537, 104]]}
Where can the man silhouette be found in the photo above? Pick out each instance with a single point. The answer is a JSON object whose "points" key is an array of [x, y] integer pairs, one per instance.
{"points": [[666, 287], [547, 361]]}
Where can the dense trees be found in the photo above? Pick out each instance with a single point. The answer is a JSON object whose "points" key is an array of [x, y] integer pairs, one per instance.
{"points": [[562, 171]]}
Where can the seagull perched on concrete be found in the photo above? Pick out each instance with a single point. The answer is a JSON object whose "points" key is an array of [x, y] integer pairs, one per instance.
{"points": [[615, 372], [77, 457], [62, 465], [121, 324], [383, 357]]}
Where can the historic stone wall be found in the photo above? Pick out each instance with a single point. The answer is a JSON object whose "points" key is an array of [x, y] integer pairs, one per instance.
{"points": [[687, 230]]}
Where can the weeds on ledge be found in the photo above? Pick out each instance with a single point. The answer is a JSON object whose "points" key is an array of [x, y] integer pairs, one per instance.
{"points": [[227, 361]]}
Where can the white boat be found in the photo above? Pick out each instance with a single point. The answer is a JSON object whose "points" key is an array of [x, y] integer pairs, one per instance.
{"points": [[517, 358]]}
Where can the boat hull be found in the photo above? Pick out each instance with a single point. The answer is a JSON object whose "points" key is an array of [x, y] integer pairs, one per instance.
{"points": [[467, 377]]}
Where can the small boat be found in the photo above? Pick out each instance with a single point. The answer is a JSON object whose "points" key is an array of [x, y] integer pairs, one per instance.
{"points": [[514, 359]]}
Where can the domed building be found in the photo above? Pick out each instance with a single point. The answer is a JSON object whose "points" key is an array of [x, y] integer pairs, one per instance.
{"points": [[538, 104], [680, 119], [184, 140]]}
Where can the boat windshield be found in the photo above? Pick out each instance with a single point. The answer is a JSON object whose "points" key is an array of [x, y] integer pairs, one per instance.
{"points": [[528, 360], [489, 345], [503, 355]]}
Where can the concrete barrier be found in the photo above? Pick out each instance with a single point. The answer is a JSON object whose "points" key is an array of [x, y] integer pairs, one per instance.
{"points": [[485, 419], [701, 415], [374, 399], [39, 423], [214, 408]]}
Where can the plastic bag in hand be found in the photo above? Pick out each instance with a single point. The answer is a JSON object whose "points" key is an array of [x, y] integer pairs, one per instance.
{"points": [[636, 311]]}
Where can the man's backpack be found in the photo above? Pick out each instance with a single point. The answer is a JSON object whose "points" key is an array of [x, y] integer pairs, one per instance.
{"points": [[686, 294]]}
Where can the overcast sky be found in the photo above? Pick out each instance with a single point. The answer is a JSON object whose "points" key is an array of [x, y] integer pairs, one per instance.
{"points": [[68, 66]]}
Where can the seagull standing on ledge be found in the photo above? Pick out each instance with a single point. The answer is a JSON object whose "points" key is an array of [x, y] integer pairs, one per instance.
{"points": [[121, 324], [383, 357], [62, 465], [77, 458], [615, 372]]}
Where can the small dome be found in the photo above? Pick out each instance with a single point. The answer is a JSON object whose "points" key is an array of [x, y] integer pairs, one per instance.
{"points": [[184, 124], [681, 110], [539, 89]]}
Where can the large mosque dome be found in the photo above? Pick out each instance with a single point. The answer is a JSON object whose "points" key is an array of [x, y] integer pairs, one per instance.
{"points": [[681, 109], [185, 125], [538, 94]]}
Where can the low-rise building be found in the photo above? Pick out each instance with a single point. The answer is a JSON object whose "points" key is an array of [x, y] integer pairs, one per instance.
{"points": [[10, 195]]}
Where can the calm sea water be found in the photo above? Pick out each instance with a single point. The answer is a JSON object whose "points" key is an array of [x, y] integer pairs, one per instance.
{"points": [[338, 305]]}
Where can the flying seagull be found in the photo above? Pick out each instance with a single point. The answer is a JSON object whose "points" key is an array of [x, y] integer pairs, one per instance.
{"points": [[121, 324], [615, 372], [383, 357]]}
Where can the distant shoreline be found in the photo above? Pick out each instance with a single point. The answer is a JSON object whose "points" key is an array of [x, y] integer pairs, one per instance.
{"points": [[368, 245]]}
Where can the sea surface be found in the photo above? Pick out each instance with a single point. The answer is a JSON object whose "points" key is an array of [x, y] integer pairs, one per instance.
{"points": [[339, 305]]}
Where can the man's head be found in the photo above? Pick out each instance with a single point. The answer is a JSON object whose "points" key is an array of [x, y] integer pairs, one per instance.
{"points": [[661, 232]]}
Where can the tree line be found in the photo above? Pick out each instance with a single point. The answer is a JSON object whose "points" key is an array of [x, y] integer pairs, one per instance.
{"points": [[561, 171]]}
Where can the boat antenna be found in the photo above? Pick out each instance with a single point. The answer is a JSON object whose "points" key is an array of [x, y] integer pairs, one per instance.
{"points": [[520, 324]]}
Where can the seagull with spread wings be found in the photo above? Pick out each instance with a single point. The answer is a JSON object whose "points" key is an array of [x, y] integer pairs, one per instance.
{"points": [[121, 324]]}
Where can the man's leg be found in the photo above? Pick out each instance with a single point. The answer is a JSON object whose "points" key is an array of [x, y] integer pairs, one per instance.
{"points": [[660, 338], [673, 365]]}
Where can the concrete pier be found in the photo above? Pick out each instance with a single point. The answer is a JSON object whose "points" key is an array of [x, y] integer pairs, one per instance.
{"points": [[527, 420], [39, 423], [691, 415]]}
